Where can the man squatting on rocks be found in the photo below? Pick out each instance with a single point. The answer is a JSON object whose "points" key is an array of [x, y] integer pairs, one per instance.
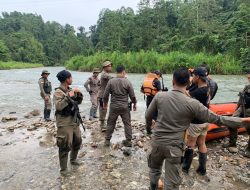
{"points": [[243, 110], [120, 89], [105, 77], [167, 141], [92, 86], [45, 92], [68, 131]]}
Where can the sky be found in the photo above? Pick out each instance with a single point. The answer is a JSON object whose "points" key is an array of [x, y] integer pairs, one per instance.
{"points": [[74, 12]]}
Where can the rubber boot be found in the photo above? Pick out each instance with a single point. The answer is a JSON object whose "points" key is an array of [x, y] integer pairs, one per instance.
{"points": [[95, 113], [91, 114], [187, 160], [247, 151], [233, 133], [202, 163], [73, 157], [45, 114], [63, 159], [48, 115], [153, 186]]}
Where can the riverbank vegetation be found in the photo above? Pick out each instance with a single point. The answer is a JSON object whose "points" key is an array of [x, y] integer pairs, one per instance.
{"points": [[145, 61], [219, 28], [18, 65]]}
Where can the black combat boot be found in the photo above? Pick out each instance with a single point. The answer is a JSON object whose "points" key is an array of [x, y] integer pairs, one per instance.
{"points": [[153, 186], [73, 157], [63, 159], [187, 159], [233, 133], [202, 163]]}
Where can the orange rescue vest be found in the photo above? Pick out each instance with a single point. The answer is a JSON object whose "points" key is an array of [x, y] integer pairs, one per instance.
{"points": [[148, 88]]}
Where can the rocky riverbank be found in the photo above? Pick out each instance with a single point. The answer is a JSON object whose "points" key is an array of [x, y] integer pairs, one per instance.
{"points": [[29, 160]]}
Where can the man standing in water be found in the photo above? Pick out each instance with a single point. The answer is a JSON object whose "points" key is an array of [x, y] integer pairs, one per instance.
{"points": [[120, 89], [243, 110], [92, 86], [45, 92], [68, 131], [167, 141], [105, 77]]}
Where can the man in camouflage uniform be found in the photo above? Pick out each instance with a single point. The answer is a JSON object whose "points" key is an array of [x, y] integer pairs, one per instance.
{"points": [[68, 131], [92, 86], [46, 88], [105, 77], [120, 89], [233, 133]]}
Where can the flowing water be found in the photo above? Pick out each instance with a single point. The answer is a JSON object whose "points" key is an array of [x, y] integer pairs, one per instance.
{"points": [[26, 163], [20, 92]]}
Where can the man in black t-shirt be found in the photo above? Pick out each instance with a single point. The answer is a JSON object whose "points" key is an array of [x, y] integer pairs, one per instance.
{"points": [[198, 130]]}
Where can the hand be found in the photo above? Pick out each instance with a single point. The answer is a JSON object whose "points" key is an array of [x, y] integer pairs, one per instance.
{"points": [[246, 120], [46, 98], [76, 90], [134, 107], [71, 93]]}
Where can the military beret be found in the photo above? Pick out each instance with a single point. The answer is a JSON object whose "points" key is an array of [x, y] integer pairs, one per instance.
{"points": [[63, 75]]}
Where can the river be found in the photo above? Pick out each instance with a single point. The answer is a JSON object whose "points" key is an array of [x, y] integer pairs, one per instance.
{"points": [[20, 91], [29, 156]]}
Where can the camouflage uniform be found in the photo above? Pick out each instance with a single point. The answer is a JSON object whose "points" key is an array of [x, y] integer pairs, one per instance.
{"points": [[68, 132], [45, 91], [105, 77], [92, 86]]}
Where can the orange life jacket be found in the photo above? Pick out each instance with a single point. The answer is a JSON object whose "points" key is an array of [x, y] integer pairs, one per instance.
{"points": [[148, 88]]}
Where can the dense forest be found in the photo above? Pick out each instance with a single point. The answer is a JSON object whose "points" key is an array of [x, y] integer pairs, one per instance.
{"points": [[211, 27]]}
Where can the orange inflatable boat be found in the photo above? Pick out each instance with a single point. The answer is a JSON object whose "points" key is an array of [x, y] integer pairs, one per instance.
{"points": [[214, 131]]}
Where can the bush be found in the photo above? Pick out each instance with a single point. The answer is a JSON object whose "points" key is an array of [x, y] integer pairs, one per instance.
{"points": [[145, 61]]}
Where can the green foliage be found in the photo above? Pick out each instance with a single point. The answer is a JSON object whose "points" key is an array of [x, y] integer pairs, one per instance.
{"points": [[18, 65], [245, 59], [145, 61], [30, 39], [4, 52]]}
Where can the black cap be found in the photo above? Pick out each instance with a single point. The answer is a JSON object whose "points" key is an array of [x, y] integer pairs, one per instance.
{"points": [[201, 72], [157, 72], [63, 75]]}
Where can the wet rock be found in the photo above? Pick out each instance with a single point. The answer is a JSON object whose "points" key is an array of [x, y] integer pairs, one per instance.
{"points": [[140, 144], [115, 174], [126, 151], [94, 145], [13, 112], [11, 128], [8, 118], [35, 112], [233, 150]]}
